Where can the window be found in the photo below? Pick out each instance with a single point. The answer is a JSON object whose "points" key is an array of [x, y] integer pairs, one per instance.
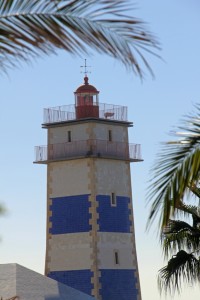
{"points": [[110, 135], [88, 100], [116, 257], [69, 136], [113, 199]]}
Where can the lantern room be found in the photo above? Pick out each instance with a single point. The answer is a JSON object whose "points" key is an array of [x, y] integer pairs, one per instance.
{"points": [[86, 101]]}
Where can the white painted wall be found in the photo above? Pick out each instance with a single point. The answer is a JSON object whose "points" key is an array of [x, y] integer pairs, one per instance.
{"points": [[112, 176], [68, 178], [60, 134], [90, 130], [108, 243], [70, 252], [119, 133]]}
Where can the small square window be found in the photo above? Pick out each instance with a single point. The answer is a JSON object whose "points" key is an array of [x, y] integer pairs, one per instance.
{"points": [[113, 199]]}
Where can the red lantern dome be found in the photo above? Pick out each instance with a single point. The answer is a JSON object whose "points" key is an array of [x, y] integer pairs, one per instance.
{"points": [[86, 87]]}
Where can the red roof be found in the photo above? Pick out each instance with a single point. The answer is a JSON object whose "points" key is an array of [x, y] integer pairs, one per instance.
{"points": [[86, 88]]}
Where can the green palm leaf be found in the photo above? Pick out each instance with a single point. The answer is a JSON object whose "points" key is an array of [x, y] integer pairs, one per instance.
{"points": [[34, 27], [178, 166]]}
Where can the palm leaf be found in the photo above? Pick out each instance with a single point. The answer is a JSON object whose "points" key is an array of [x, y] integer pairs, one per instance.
{"points": [[178, 166], [174, 226], [181, 267], [191, 209], [34, 27], [195, 189], [180, 237]]}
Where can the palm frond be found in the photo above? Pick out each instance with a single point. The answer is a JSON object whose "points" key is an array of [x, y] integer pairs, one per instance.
{"points": [[182, 267], [186, 239], [190, 210], [177, 166], [195, 189], [34, 27], [174, 226]]}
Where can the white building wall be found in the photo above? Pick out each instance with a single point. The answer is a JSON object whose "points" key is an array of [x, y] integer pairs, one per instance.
{"points": [[7, 281], [16, 280], [84, 131], [112, 176], [60, 134], [111, 242], [119, 133], [70, 252], [68, 178]]}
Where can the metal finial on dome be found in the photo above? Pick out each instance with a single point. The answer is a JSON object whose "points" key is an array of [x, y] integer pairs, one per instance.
{"points": [[86, 79], [85, 71]]}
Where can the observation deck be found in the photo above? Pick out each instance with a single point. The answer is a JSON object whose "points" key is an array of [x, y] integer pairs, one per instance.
{"points": [[87, 148], [65, 113]]}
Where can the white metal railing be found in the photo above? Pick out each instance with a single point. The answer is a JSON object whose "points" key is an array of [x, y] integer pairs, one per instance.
{"points": [[68, 112], [88, 148]]}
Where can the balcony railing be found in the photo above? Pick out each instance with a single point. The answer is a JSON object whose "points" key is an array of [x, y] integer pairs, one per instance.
{"points": [[88, 148], [67, 113]]}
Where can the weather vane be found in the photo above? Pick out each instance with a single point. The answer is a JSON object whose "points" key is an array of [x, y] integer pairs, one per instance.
{"points": [[85, 68]]}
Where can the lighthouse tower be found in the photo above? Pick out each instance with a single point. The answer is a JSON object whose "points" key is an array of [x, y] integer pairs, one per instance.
{"points": [[90, 242]]}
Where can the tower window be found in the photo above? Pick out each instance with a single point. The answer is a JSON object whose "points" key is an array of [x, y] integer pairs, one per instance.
{"points": [[116, 257], [110, 135], [113, 199], [69, 136]]}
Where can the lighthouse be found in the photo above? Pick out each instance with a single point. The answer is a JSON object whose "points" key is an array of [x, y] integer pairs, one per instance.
{"points": [[90, 243]]}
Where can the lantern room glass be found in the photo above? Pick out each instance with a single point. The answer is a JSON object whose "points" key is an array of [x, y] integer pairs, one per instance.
{"points": [[87, 105]]}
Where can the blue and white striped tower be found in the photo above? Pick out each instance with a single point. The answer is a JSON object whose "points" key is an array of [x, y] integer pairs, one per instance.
{"points": [[90, 242]]}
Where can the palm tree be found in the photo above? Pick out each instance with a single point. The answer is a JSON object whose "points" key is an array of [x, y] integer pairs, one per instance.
{"points": [[181, 241], [31, 28], [176, 176], [176, 170]]}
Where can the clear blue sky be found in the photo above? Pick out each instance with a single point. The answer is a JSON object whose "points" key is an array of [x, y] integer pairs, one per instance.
{"points": [[154, 106]]}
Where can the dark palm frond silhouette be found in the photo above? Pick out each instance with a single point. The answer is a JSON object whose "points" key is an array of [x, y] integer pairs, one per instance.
{"points": [[182, 241], [181, 267]]}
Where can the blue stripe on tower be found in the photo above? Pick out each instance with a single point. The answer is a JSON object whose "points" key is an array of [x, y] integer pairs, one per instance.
{"points": [[80, 280], [113, 218], [70, 214], [118, 285]]}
